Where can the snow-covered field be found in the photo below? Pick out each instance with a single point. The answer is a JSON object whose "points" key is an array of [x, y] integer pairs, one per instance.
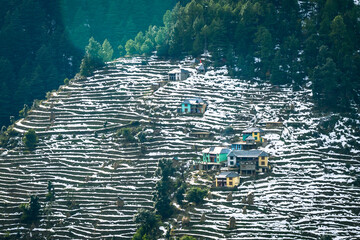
{"points": [[308, 194]]}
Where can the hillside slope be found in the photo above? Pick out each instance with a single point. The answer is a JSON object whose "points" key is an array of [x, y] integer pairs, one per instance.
{"points": [[308, 194]]}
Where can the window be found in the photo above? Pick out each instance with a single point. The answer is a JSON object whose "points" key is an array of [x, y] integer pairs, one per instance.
{"points": [[230, 178], [185, 105], [262, 163], [230, 184], [231, 157], [231, 163], [262, 158]]}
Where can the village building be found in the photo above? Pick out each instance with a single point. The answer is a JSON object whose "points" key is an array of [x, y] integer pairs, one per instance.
{"points": [[213, 157], [248, 162], [178, 74], [201, 69], [255, 132], [248, 144], [274, 124], [195, 105], [200, 134], [227, 179]]}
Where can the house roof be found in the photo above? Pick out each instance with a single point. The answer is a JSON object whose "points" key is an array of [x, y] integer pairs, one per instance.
{"points": [[203, 133], [248, 153], [250, 138], [245, 142], [174, 71], [216, 150], [227, 174], [194, 101], [178, 70], [253, 129], [201, 67]]}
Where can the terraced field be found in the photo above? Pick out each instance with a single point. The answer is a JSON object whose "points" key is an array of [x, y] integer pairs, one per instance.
{"points": [[308, 194]]}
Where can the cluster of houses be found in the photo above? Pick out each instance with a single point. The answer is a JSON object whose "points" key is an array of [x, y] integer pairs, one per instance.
{"points": [[241, 159]]}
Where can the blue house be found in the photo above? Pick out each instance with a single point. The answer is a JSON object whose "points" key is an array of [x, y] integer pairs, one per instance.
{"points": [[194, 105]]}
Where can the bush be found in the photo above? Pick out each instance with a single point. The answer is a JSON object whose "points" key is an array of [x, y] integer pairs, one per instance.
{"points": [[30, 139], [179, 195], [196, 195], [50, 196], [228, 131], [148, 225], [187, 238], [30, 211], [127, 134], [24, 112]]}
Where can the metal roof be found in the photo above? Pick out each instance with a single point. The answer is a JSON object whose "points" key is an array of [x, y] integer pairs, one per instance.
{"points": [[248, 153], [227, 174], [194, 101], [216, 150], [253, 129]]}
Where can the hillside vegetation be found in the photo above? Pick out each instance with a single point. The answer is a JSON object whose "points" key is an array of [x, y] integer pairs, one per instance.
{"points": [[103, 169], [286, 42], [42, 42]]}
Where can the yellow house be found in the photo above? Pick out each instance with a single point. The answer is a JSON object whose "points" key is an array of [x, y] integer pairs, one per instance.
{"points": [[227, 179], [249, 161], [263, 161], [255, 132]]}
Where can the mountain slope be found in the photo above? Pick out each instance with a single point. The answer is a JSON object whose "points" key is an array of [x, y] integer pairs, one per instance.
{"points": [[308, 194]]}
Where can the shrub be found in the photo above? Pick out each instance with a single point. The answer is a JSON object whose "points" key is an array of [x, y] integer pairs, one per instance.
{"points": [[66, 81], [228, 131], [30, 139], [127, 134], [187, 238], [30, 211], [196, 195], [148, 225], [24, 112], [179, 195], [50, 196]]}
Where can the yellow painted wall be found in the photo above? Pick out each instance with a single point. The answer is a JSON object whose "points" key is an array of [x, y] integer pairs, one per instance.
{"points": [[235, 181], [257, 137], [266, 160]]}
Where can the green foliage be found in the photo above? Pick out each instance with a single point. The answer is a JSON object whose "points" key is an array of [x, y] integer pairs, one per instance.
{"points": [[164, 188], [165, 169], [94, 57], [148, 225], [228, 131], [66, 81], [122, 51], [187, 238], [24, 112], [30, 139], [128, 134], [179, 195], [266, 40], [107, 51], [196, 195], [42, 42], [30, 211], [50, 196]]}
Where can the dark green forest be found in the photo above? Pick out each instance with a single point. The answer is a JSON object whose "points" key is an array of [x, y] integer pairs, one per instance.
{"points": [[283, 41], [42, 42]]}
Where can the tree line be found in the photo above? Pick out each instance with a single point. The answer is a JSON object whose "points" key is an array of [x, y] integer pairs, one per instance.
{"points": [[283, 41], [42, 42]]}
